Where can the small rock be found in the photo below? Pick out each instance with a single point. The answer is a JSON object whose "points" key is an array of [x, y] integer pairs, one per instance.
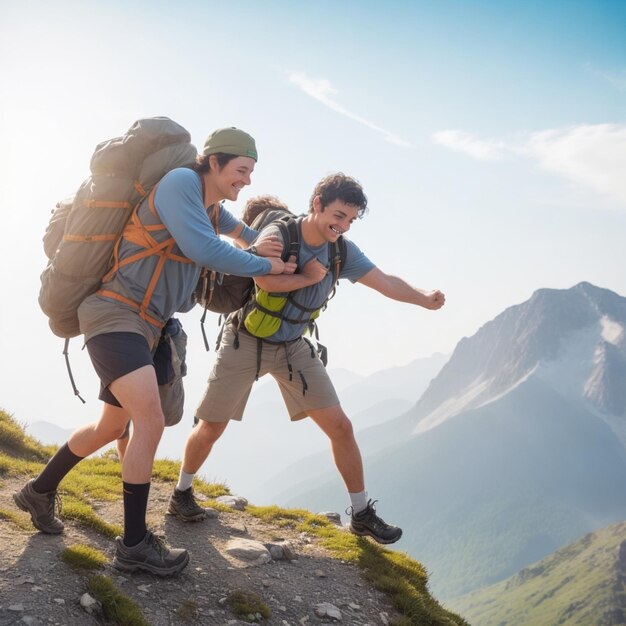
{"points": [[254, 552], [211, 513], [326, 609], [320, 573], [331, 516], [23, 580], [222, 601], [298, 599], [282, 608], [36, 588], [16, 607], [144, 588], [354, 606], [234, 502], [89, 604], [384, 618], [30, 621], [59, 601], [266, 583], [276, 551], [304, 620]]}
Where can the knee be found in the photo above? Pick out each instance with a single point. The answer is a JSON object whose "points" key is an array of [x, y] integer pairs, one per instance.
{"points": [[342, 428], [152, 427], [209, 432]]}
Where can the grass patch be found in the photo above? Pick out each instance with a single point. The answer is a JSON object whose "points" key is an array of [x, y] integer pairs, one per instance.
{"points": [[84, 557], [187, 611], [97, 479], [20, 520], [16, 443], [84, 514], [248, 606], [117, 607], [396, 574]]}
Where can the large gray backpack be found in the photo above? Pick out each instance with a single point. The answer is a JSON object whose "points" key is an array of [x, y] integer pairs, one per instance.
{"points": [[83, 230]]}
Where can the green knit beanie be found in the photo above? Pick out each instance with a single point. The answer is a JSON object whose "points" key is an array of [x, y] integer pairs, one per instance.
{"points": [[230, 141]]}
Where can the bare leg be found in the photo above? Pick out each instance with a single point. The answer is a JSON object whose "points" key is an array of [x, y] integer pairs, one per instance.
{"points": [[200, 443], [87, 439], [138, 393], [335, 423]]}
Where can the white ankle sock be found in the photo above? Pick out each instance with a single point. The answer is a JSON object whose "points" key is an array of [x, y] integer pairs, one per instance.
{"points": [[358, 501], [184, 481]]}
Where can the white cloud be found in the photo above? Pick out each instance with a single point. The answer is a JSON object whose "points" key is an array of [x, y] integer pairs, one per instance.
{"points": [[592, 155], [469, 144], [589, 155], [322, 90]]}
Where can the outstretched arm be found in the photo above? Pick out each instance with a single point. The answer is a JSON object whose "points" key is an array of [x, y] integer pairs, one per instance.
{"points": [[398, 289]]}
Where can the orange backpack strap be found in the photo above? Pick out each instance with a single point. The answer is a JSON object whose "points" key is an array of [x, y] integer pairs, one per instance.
{"points": [[139, 234]]}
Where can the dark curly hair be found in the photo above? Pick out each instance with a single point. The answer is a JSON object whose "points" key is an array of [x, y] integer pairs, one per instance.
{"points": [[338, 186], [201, 166]]}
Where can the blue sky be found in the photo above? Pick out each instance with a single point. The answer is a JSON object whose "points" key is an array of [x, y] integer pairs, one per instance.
{"points": [[489, 136]]}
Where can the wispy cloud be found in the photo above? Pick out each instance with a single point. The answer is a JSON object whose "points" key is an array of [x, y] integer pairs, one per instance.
{"points": [[615, 78], [590, 155], [460, 141], [321, 90]]}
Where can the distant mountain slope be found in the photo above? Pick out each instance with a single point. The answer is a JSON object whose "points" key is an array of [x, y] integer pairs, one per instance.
{"points": [[583, 584], [516, 448]]}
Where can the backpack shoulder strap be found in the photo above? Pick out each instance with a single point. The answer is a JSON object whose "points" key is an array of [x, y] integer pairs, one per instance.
{"points": [[337, 253], [290, 232]]}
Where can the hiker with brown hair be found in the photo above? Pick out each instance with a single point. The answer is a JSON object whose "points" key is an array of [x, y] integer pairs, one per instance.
{"points": [[157, 264], [266, 337]]}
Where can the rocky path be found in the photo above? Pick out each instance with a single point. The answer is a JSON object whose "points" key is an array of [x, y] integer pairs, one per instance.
{"points": [[37, 587]]}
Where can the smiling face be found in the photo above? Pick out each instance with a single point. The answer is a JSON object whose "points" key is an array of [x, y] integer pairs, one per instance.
{"points": [[226, 182], [332, 220]]}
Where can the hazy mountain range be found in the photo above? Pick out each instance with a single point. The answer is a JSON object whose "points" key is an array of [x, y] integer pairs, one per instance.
{"points": [[516, 448], [583, 584]]}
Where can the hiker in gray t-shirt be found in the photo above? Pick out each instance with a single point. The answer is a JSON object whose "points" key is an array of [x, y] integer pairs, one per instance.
{"points": [[267, 337]]}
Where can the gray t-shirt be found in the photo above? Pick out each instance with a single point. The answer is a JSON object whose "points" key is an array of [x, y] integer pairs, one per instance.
{"points": [[356, 266]]}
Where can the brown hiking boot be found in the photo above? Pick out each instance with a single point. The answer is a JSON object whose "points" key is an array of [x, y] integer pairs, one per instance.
{"points": [[41, 508], [184, 506], [151, 555]]}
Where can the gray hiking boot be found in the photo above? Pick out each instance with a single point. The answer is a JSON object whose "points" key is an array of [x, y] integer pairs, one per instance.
{"points": [[150, 555], [184, 506], [41, 508], [367, 523]]}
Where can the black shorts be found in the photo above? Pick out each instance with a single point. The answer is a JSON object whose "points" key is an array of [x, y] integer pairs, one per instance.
{"points": [[116, 354]]}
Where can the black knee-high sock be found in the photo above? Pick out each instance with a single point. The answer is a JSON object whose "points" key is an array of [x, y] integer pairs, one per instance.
{"points": [[58, 466], [135, 505]]}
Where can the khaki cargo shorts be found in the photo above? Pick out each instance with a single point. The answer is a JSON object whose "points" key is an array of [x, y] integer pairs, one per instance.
{"points": [[234, 374]]}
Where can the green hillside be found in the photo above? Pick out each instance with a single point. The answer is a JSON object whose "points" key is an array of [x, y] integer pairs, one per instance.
{"points": [[582, 584]]}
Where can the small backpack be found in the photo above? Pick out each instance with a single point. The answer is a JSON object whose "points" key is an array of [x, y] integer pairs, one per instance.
{"points": [[227, 293], [84, 230]]}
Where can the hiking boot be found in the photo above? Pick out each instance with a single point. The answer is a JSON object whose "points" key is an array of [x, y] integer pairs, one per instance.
{"points": [[184, 505], [150, 555], [41, 508], [366, 522]]}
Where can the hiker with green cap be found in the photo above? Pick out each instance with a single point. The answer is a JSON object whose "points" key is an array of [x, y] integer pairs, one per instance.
{"points": [[121, 336], [267, 337]]}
